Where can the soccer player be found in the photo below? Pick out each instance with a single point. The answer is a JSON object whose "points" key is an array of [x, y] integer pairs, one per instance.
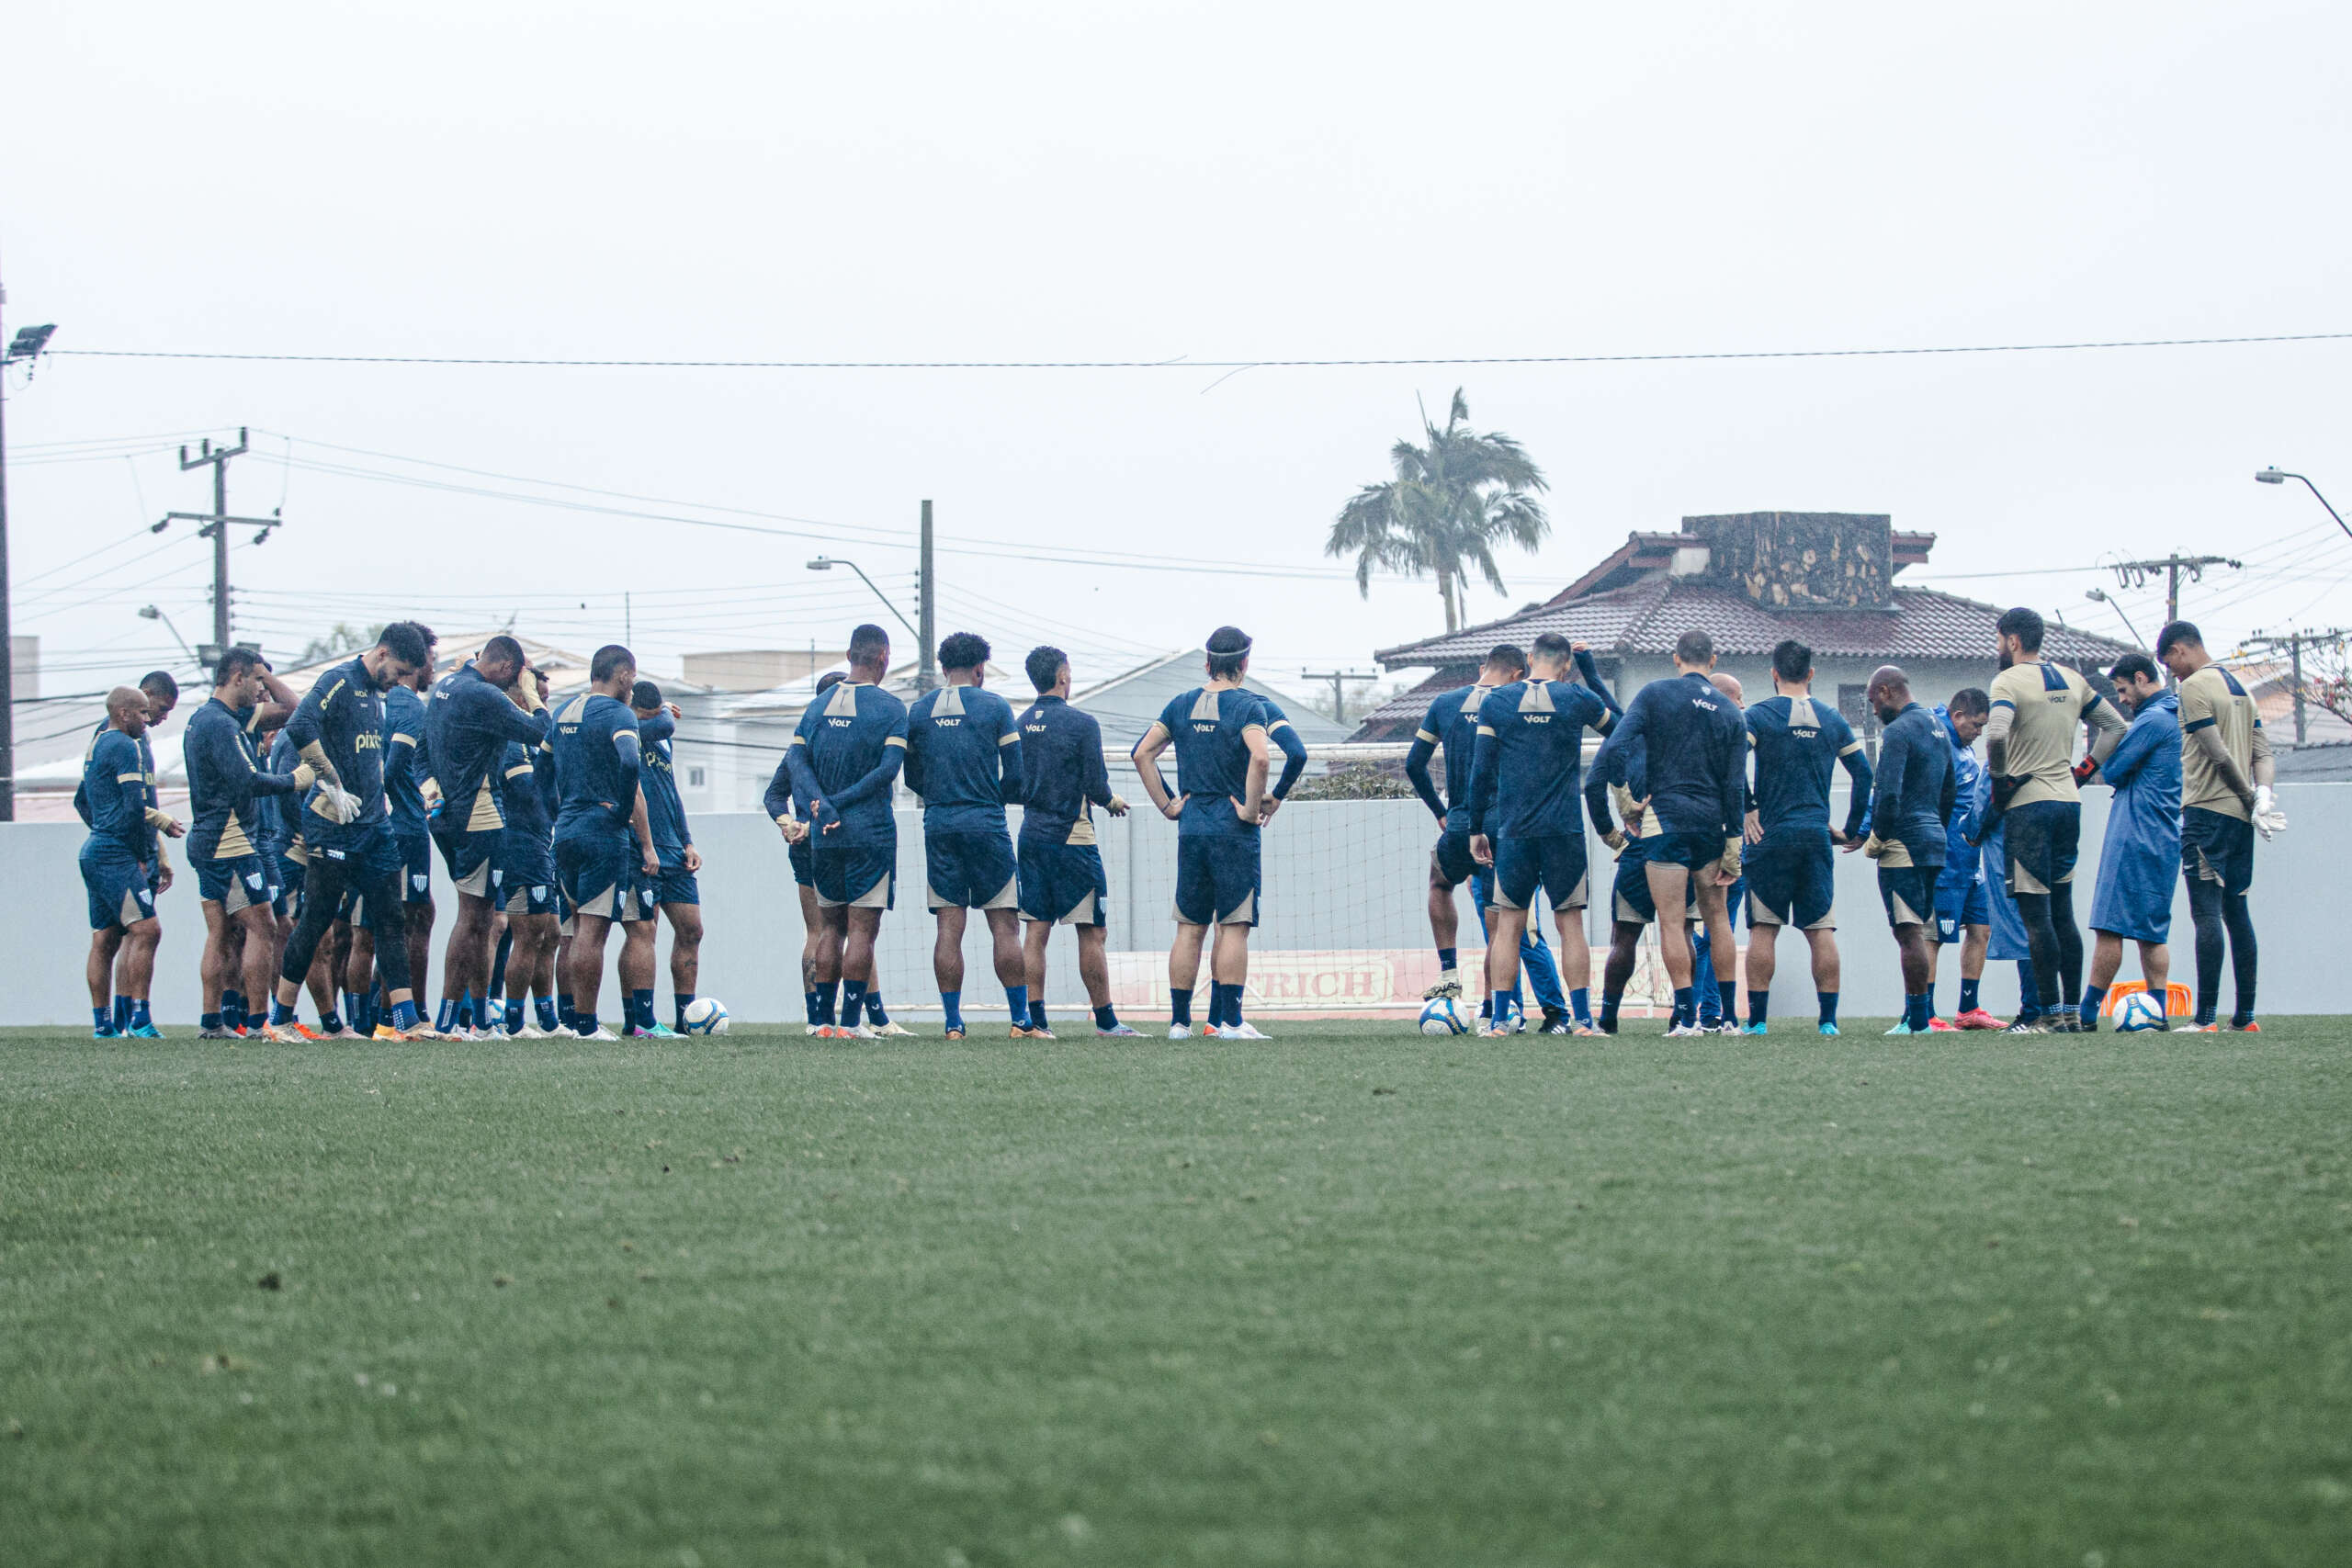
{"points": [[2227, 775], [1963, 904], [1526, 818], [330, 964], [964, 761], [604, 842], [475, 710], [118, 864], [1063, 779], [1629, 906], [1684, 752], [526, 881], [272, 829], [785, 811], [406, 766], [845, 757], [338, 730], [223, 782], [1911, 810], [1452, 722], [2138, 857], [673, 892], [2036, 709], [2009, 943], [1791, 880], [1220, 731]]}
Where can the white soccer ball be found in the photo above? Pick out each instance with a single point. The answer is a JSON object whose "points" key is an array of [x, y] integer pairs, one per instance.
{"points": [[705, 1015], [2139, 1011], [1442, 1017]]}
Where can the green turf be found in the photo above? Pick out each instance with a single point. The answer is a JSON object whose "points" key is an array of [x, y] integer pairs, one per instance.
{"points": [[1351, 1298]]}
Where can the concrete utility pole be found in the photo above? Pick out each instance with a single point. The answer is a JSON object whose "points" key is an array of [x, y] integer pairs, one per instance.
{"points": [[216, 528], [1339, 678], [2294, 643], [2135, 573], [926, 597]]}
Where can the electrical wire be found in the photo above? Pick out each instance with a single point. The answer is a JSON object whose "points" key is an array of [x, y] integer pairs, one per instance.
{"points": [[1185, 363]]}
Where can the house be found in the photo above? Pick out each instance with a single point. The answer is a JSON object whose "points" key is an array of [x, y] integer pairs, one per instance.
{"points": [[1750, 580]]}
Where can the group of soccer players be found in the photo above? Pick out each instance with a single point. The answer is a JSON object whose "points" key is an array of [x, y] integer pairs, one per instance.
{"points": [[313, 822], [1723, 807], [312, 825]]}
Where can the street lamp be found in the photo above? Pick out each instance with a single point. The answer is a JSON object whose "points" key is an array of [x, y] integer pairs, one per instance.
{"points": [[827, 563], [156, 613], [2100, 595], [2276, 476]]}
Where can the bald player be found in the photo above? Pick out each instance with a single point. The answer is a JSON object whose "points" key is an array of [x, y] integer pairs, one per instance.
{"points": [[2037, 709], [1910, 810], [1717, 1004], [2227, 775], [118, 864]]}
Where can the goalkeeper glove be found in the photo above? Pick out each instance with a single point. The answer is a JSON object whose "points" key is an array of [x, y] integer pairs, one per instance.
{"points": [[2269, 820], [2083, 769]]}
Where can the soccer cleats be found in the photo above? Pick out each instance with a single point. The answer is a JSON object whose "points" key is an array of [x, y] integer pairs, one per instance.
{"points": [[1117, 1032], [1977, 1017]]}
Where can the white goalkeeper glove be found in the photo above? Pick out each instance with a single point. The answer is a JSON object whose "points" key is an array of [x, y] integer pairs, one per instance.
{"points": [[344, 804], [2269, 820]]}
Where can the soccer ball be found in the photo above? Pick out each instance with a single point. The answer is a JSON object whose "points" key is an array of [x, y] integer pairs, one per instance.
{"points": [[1442, 1017], [705, 1015], [2139, 1011]]}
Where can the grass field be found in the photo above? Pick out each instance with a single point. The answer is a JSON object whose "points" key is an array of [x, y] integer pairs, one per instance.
{"points": [[1351, 1298]]}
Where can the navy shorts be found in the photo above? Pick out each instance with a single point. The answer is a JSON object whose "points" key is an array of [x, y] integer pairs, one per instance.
{"points": [[804, 863], [675, 884], [2217, 847], [1451, 858], [1064, 884], [236, 883], [470, 855], [415, 847], [526, 870], [1908, 893], [375, 861], [1554, 861], [859, 878], [2042, 841], [969, 871], [1960, 905], [119, 894], [1216, 879], [597, 869], [1697, 850], [1630, 901], [1792, 881]]}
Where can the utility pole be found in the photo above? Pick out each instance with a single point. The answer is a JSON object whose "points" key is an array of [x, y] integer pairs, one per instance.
{"points": [[2136, 574], [2294, 643], [926, 618], [27, 345], [216, 529], [1339, 678]]}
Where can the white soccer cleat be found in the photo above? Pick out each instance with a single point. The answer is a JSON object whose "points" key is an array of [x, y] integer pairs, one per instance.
{"points": [[863, 1031], [1444, 990], [892, 1030], [1245, 1030], [603, 1036], [1179, 1032], [530, 1032], [1687, 1032], [817, 1029]]}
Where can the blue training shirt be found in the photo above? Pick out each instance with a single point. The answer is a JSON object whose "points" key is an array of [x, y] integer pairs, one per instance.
{"points": [[1063, 778], [1452, 722], [223, 782], [403, 733], [1799, 743], [1915, 793], [343, 713], [466, 726], [845, 757], [963, 759], [1210, 727], [114, 796], [657, 774], [1525, 781], [596, 764], [1684, 750]]}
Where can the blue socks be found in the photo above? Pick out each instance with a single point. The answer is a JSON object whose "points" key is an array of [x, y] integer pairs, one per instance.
{"points": [[103, 1020], [2092, 997], [1608, 1004], [1180, 1006], [1017, 998], [140, 1018], [404, 1015], [547, 1019], [640, 1004], [514, 1015], [874, 1013], [1225, 1005], [1445, 959], [1581, 1005], [1829, 1000], [1107, 1017], [279, 1012], [809, 1000], [584, 1024], [828, 995], [120, 1014], [852, 1003], [232, 1008], [951, 1003], [1918, 1010], [210, 1020], [563, 1013], [1728, 991], [1968, 995], [445, 1019], [1686, 1007], [1759, 1004]]}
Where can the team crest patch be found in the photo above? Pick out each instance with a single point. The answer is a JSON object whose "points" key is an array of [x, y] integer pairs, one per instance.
{"points": [[645, 895], [252, 880], [539, 893], [420, 879], [143, 897]]}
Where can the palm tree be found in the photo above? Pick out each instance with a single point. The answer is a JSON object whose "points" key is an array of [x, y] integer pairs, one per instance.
{"points": [[1451, 502]]}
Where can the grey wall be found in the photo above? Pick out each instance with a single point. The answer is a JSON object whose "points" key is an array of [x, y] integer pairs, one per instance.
{"points": [[1345, 876]]}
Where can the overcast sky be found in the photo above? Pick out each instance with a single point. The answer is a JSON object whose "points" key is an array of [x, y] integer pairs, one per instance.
{"points": [[1223, 182]]}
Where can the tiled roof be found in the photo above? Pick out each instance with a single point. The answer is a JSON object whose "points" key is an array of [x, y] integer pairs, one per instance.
{"points": [[1645, 617]]}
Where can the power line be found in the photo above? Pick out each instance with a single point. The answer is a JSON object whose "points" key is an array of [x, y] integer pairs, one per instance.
{"points": [[1182, 362]]}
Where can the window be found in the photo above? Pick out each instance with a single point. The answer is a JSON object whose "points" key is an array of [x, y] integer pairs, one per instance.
{"points": [[694, 778]]}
